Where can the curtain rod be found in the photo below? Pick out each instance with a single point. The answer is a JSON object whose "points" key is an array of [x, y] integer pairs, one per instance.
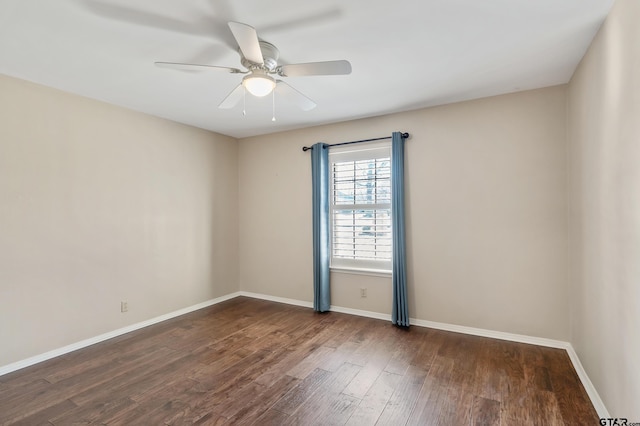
{"points": [[404, 136]]}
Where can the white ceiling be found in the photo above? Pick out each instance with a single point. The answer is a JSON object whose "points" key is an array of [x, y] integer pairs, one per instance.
{"points": [[405, 54]]}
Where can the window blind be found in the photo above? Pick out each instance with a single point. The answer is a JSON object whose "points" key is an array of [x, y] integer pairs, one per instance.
{"points": [[361, 209]]}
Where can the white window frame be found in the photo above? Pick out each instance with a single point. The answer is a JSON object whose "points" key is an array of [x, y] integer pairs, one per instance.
{"points": [[363, 151]]}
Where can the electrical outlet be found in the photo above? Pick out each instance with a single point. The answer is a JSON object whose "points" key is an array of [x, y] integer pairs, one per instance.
{"points": [[124, 306], [363, 292]]}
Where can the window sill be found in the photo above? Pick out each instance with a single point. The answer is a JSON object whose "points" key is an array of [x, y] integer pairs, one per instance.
{"points": [[362, 271]]}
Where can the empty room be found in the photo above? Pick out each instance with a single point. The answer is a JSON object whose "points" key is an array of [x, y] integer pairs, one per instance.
{"points": [[350, 213]]}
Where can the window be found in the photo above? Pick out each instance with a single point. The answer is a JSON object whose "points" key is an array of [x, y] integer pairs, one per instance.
{"points": [[360, 207]]}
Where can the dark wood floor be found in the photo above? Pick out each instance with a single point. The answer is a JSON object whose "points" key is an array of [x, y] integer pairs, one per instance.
{"points": [[247, 361]]}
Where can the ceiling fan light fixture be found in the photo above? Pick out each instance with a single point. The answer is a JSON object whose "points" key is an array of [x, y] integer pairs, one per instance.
{"points": [[259, 84], [260, 61]]}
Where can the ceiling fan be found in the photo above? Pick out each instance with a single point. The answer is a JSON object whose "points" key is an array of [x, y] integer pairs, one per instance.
{"points": [[260, 59]]}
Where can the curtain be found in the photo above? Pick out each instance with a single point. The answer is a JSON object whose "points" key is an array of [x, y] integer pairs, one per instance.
{"points": [[400, 311], [320, 193]]}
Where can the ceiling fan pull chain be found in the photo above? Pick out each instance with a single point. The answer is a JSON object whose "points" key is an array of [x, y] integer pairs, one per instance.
{"points": [[273, 105], [244, 101]]}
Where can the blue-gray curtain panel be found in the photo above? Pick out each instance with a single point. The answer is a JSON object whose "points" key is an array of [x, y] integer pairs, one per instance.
{"points": [[320, 182], [400, 311]]}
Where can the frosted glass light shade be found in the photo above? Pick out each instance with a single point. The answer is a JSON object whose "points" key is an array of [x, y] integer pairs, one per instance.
{"points": [[259, 84]]}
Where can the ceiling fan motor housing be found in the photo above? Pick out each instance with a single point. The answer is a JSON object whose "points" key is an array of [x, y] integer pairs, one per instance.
{"points": [[270, 55]]}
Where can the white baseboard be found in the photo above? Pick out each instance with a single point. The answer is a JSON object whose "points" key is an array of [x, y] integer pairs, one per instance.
{"points": [[586, 382], [519, 338], [304, 304], [577, 365], [422, 323], [109, 335], [361, 313], [276, 299], [501, 335]]}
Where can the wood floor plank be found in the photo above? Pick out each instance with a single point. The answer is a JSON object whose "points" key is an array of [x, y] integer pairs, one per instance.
{"points": [[402, 402], [301, 346], [310, 362], [93, 412], [434, 397], [222, 391], [460, 397], [344, 352], [67, 388], [424, 356], [490, 378], [457, 408], [13, 394], [485, 412], [328, 405], [271, 417], [123, 385], [249, 411], [44, 417], [289, 359], [303, 391], [375, 356], [511, 360], [573, 402], [538, 377], [363, 381], [249, 361], [407, 345], [529, 406], [232, 383], [23, 377], [374, 401], [164, 402]]}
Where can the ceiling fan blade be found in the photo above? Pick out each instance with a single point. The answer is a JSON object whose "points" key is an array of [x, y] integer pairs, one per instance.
{"points": [[316, 68], [140, 17], [295, 97], [232, 98], [195, 67], [323, 14], [248, 42]]}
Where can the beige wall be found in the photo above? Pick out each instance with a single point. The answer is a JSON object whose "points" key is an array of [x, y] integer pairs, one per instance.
{"points": [[99, 204], [604, 187], [486, 213]]}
